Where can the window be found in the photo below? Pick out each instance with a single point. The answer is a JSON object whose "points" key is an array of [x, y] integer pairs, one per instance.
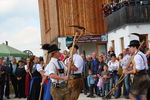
{"points": [[122, 43], [113, 44]]}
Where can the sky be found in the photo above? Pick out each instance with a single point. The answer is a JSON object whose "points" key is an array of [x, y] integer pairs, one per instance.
{"points": [[20, 25]]}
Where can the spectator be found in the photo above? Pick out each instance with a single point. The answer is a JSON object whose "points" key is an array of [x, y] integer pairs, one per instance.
{"points": [[28, 69], [113, 69], [120, 72], [20, 74], [7, 79], [95, 63], [91, 84], [100, 69], [87, 66], [36, 79], [105, 59], [101, 64], [94, 70], [13, 67], [125, 66], [2, 79], [110, 52], [106, 78]]}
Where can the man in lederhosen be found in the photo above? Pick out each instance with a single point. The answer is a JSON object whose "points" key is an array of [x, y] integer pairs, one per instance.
{"points": [[141, 80], [56, 69], [75, 83]]}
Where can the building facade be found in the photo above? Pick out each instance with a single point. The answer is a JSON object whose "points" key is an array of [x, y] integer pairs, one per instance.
{"points": [[115, 30], [125, 23], [57, 15]]}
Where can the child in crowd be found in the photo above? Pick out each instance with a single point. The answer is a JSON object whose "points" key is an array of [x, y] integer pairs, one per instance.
{"points": [[91, 83], [105, 76]]}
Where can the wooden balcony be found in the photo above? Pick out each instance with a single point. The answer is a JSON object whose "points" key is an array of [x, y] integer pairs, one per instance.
{"points": [[133, 14]]}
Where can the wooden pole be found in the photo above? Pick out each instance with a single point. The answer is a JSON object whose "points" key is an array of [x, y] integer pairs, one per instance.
{"points": [[75, 40], [41, 89], [71, 53]]}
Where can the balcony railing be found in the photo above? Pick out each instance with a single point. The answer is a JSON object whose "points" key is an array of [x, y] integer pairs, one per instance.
{"points": [[128, 15]]}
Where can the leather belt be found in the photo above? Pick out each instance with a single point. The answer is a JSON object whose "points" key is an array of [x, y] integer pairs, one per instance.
{"points": [[59, 85], [141, 72], [75, 76]]}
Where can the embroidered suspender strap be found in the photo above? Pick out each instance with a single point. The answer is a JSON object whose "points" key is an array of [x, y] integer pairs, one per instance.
{"points": [[65, 72], [143, 60], [56, 71], [73, 64], [59, 64]]}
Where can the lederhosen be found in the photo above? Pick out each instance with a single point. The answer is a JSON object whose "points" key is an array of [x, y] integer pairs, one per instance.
{"points": [[35, 84], [141, 81], [75, 84], [59, 91]]}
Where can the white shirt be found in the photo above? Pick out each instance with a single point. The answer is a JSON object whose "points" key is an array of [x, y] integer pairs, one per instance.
{"points": [[141, 62], [78, 62], [113, 66], [125, 61], [26, 67], [51, 69], [38, 67]]}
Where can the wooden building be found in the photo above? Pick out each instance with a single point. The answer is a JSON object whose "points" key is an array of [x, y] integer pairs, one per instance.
{"points": [[57, 15]]}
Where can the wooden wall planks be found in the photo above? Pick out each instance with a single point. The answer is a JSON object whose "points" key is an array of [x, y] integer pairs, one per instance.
{"points": [[63, 13]]}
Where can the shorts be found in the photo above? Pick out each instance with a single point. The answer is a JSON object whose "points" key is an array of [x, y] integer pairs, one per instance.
{"points": [[140, 84]]}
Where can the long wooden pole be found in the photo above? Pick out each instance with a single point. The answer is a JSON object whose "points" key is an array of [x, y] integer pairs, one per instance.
{"points": [[75, 40], [71, 54]]}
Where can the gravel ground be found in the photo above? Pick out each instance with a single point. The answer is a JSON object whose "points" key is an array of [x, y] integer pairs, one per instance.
{"points": [[82, 97]]}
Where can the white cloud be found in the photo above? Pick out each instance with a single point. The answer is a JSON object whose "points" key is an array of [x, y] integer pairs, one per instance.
{"points": [[20, 24], [20, 7], [7, 5], [24, 39], [11, 22]]}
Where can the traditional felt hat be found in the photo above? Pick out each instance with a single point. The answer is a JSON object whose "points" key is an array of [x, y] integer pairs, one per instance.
{"points": [[50, 48], [75, 46], [134, 43], [41, 59], [113, 55]]}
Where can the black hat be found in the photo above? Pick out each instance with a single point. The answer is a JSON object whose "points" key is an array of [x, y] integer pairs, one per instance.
{"points": [[21, 61], [75, 46], [50, 48], [41, 59], [134, 43], [113, 55]]}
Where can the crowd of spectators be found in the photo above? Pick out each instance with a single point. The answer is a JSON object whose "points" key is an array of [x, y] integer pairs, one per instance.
{"points": [[102, 72], [108, 9]]}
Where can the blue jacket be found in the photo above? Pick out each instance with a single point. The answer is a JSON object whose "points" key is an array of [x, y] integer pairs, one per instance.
{"points": [[90, 80]]}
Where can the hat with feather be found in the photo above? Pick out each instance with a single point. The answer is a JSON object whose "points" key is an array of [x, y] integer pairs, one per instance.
{"points": [[50, 48]]}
